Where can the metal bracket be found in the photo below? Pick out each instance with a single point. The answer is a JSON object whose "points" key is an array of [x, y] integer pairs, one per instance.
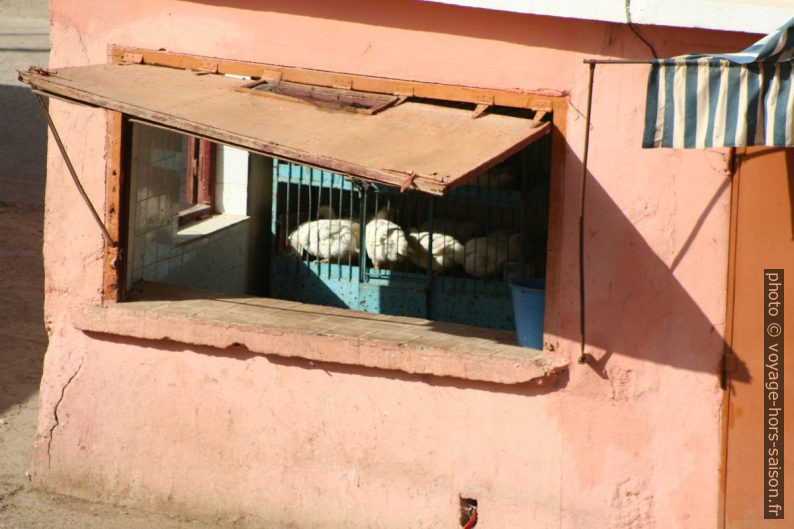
{"points": [[72, 171], [408, 182]]}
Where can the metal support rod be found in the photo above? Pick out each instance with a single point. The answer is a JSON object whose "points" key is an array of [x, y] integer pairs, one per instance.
{"points": [[72, 171], [583, 188], [431, 210], [670, 61], [279, 230], [363, 273], [623, 61]]}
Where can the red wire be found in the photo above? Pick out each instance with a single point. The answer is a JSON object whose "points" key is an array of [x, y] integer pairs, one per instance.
{"points": [[472, 521]]}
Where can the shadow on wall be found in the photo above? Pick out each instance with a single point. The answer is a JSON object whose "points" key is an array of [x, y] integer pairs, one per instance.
{"points": [[635, 306], [23, 146]]}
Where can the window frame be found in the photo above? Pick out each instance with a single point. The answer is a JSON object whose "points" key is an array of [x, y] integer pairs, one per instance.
{"points": [[198, 201], [118, 145]]}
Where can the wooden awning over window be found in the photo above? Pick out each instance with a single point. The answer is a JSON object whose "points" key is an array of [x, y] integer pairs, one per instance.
{"points": [[431, 147]]}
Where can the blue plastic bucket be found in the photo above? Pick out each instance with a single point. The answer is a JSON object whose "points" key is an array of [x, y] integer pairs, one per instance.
{"points": [[528, 304]]}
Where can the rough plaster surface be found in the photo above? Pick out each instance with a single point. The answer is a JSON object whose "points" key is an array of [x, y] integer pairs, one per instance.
{"points": [[226, 433]]}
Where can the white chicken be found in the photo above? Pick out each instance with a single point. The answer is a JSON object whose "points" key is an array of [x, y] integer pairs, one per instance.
{"points": [[385, 240], [446, 250], [295, 218], [462, 230], [329, 239], [486, 256]]}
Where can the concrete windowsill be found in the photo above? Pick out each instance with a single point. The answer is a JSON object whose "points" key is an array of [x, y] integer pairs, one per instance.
{"points": [[208, 226], [291, 329]]}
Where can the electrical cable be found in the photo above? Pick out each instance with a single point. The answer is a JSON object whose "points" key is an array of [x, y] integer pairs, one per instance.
{"points": [[636, 32]]}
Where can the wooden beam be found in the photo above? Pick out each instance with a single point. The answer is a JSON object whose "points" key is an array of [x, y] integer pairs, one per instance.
{"points": [[398, 87], [112, 279], [552, 324]]}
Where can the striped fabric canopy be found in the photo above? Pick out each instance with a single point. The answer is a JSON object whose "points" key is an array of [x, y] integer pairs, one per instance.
{"points": [[730, 100]]}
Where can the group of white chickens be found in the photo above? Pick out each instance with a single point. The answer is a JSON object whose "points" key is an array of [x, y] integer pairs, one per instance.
{"points": [[453, 243]]}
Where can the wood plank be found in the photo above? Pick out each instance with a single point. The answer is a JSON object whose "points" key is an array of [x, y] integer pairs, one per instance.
{"points": [[728, 354], [552, 323], [510, 98], [440, 146], [763, 238], [111, 277]]}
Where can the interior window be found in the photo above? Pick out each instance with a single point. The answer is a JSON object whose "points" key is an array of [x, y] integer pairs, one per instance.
{"points": [[196, 187]]}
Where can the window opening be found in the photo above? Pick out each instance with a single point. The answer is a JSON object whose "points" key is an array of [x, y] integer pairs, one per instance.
{"points": [[319, 237]]}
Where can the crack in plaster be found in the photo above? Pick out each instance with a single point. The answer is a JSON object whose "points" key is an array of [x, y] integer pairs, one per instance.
{"points": [[55, 412]]}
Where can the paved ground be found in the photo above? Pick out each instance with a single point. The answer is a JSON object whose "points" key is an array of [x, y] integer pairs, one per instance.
{"points": [[23, 340]]}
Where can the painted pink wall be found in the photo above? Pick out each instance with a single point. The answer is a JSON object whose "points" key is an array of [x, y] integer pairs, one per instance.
{"points": [[631, 440]]}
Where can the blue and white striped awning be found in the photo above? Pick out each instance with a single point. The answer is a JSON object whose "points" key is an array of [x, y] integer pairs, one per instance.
{"points": [[730, 100]]}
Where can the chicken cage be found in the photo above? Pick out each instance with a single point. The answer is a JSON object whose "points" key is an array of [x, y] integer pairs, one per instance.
{"points": [[354, 244]]}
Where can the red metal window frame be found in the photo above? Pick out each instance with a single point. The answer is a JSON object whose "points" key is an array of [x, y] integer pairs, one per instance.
{"points": [[199, 197]]}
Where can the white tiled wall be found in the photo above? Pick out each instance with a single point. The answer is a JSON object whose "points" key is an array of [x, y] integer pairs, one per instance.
{"points": [[217, 261], [231, 180]]}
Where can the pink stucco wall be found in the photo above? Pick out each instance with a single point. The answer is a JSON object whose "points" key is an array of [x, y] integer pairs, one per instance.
{"points": [[631, 440]]}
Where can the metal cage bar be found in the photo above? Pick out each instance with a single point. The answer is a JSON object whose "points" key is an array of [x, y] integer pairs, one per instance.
{"points": [[459, 274]]}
